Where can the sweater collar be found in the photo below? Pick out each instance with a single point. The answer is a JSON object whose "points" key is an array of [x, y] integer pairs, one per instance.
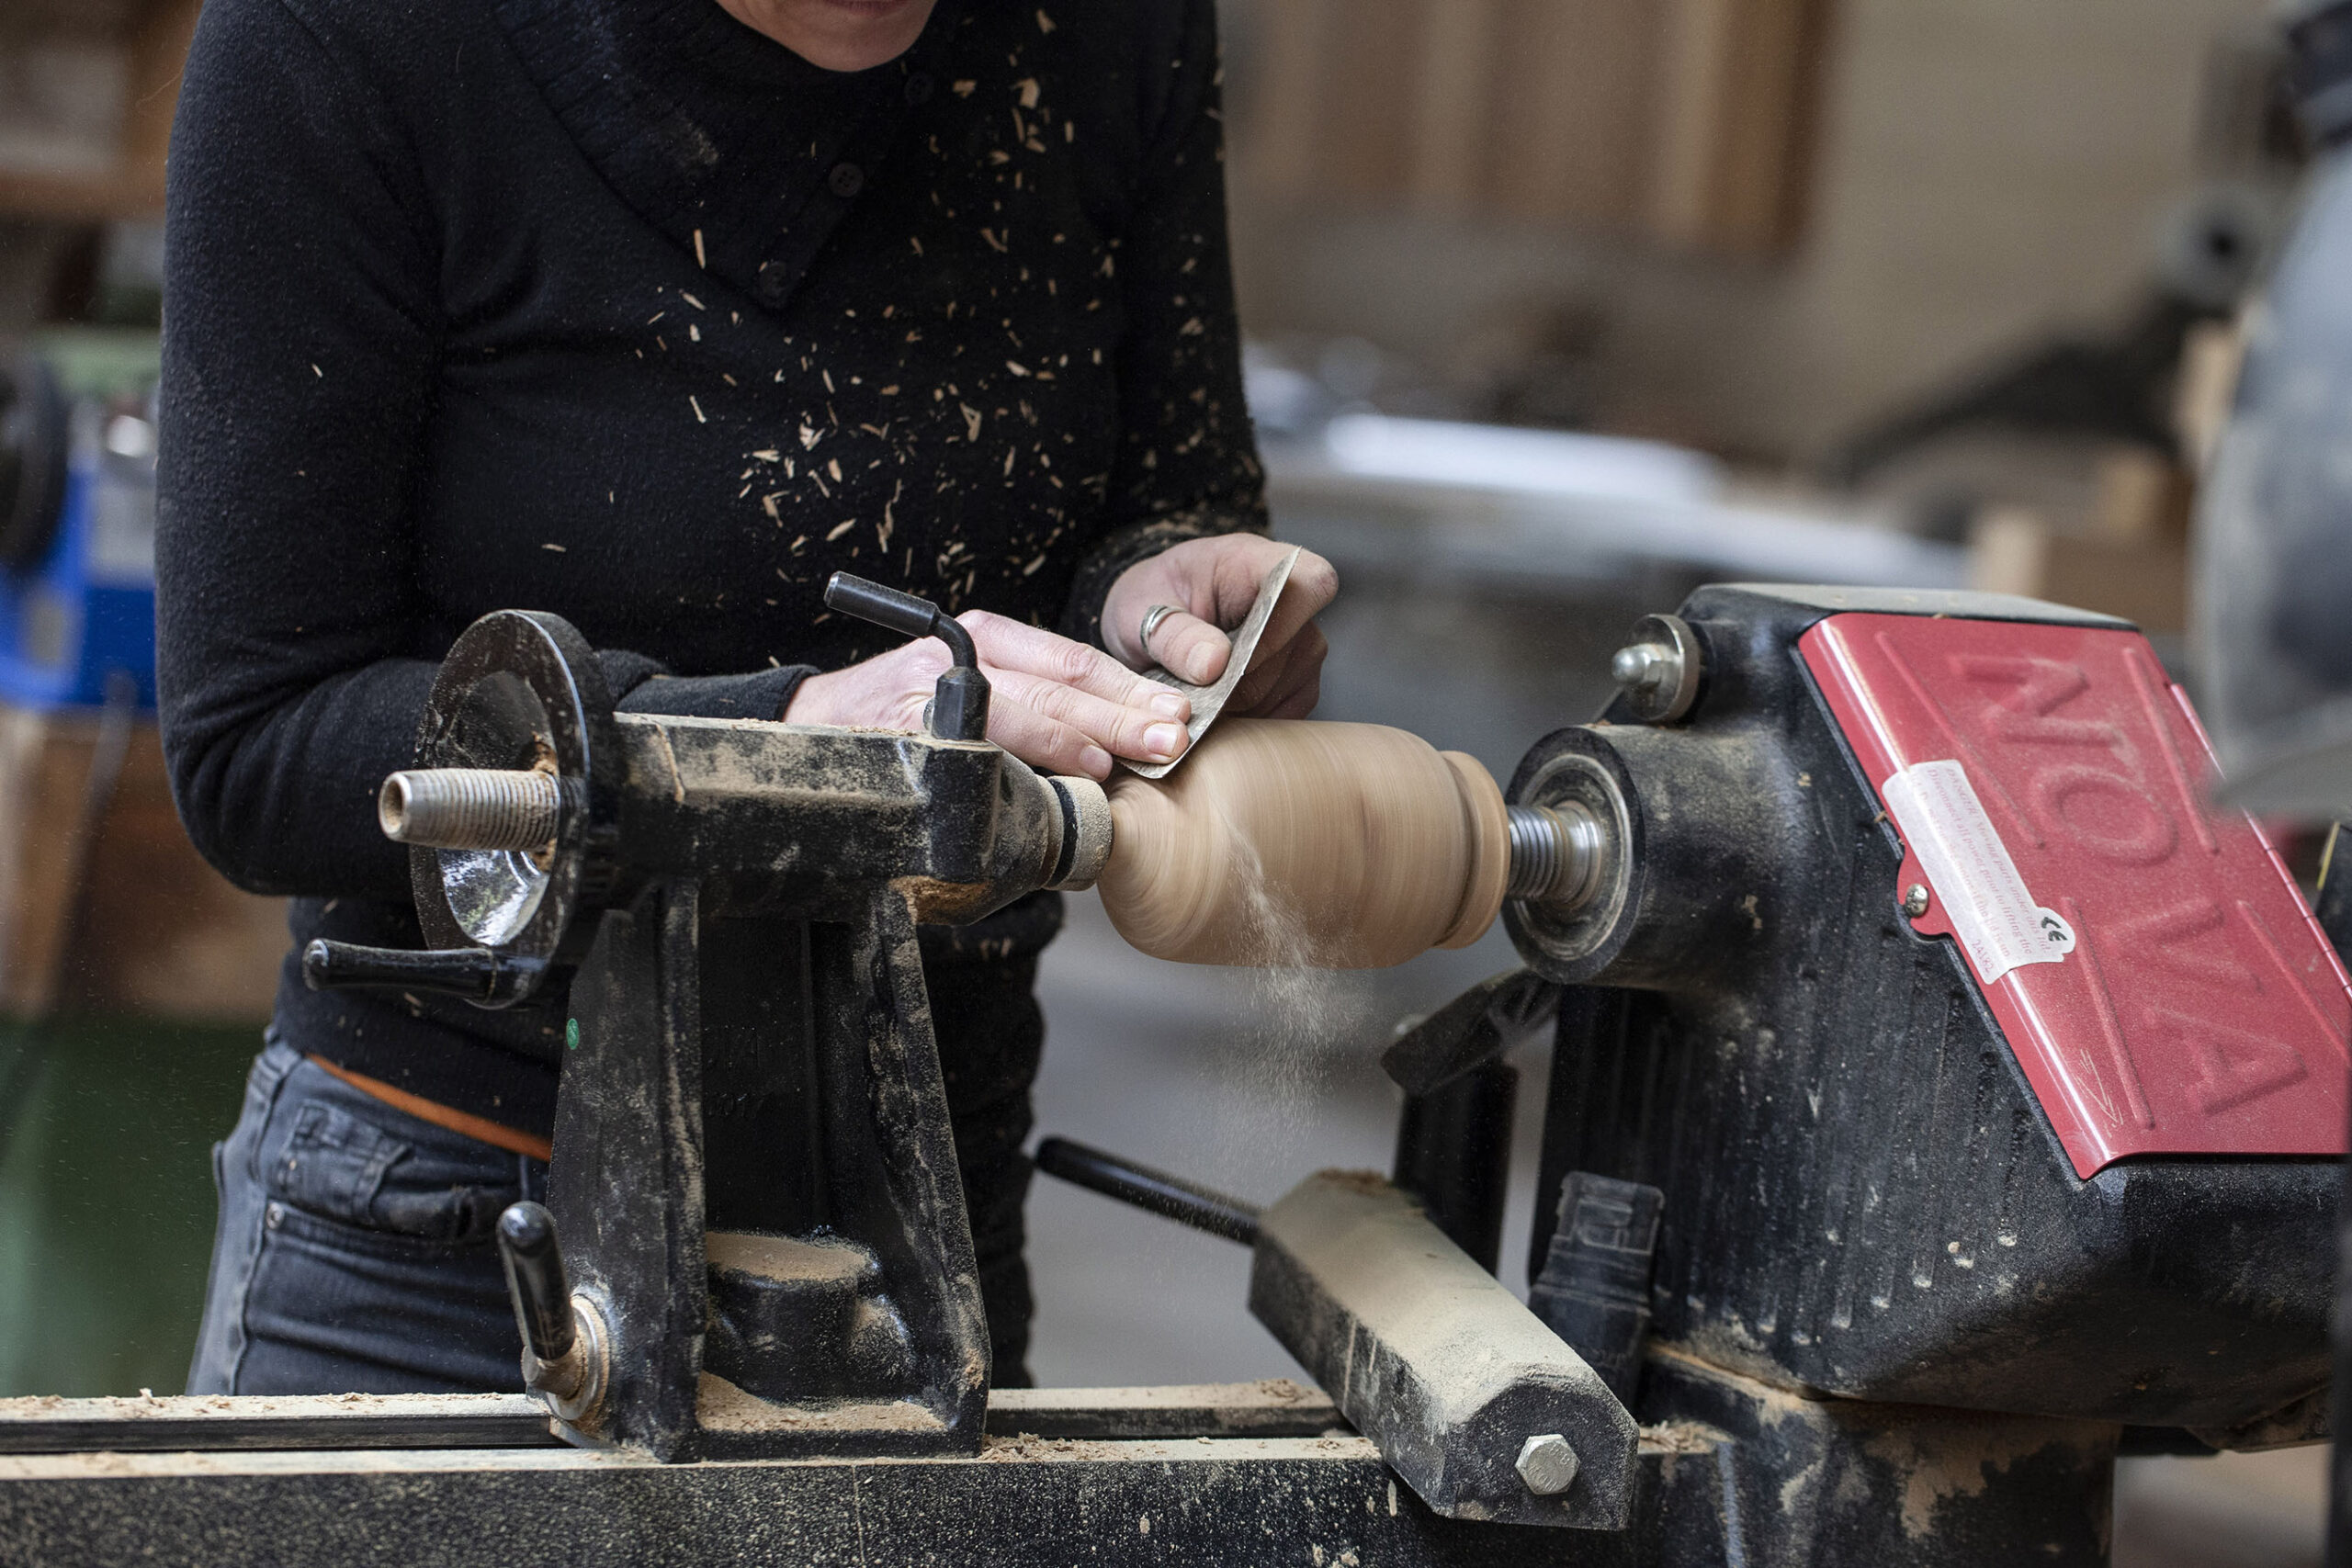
{"points": [[744, 154]]}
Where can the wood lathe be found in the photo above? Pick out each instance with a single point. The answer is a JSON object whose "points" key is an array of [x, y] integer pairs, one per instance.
{"points": [[1944, 1097]]}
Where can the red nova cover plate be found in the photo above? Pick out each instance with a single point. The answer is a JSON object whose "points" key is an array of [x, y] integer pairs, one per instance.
{"points": [[2157, 973]]}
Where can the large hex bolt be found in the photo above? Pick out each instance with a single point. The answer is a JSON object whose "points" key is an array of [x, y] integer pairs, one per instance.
{"points": [[1547, 1464]]}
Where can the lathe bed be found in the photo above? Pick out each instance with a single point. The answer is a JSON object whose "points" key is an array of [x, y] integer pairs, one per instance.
{"points": [[1261, 1472]]}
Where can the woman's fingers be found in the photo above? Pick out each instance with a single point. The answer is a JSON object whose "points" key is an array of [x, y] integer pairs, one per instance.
{"points": [[1296, 703], [1072, 706], [1275, 690], [1240, 565], [1060, 704], [1189, 647], [1033, 650], [1051, 743], [1278, 668], [1064, 706], [1214, 582], [1295, 698], [1045, 743], [1223, 576], [1141, 734], [1195, 649]]}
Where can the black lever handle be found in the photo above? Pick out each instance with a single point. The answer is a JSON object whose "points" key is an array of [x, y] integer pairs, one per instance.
{"points": [[535, 1279], [476, 974], [960, 703], [1171, 1197]]}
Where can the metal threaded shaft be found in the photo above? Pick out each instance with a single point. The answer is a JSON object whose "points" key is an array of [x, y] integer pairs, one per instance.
{"points": [[1538, 844], [1555, 855], [471, 808]]}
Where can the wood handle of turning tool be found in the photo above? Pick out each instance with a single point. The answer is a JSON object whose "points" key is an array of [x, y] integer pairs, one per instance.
{"points": [[1293, 843]]}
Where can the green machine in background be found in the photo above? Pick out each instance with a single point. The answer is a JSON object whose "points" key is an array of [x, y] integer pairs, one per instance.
{"points": [[107, 1198]]}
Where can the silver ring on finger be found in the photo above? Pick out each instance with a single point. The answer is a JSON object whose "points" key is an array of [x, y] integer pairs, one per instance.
{"points": [[1152, 619]]}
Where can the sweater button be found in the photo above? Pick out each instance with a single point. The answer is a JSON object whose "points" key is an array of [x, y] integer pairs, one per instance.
{"points": [[772, 284], [919, 88], [846, 180]]}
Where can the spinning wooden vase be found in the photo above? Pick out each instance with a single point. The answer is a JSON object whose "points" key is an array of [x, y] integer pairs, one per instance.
{"points": [[1293, 843]]}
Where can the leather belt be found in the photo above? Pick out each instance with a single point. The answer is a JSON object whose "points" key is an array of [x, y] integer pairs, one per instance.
{"points": [[466, 1124]]}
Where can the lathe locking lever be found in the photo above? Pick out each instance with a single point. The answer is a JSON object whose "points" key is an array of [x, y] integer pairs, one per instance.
{"points": [[476, 974], [1168, 1196], [960, 703], [564, 1336], [535, 1278]]}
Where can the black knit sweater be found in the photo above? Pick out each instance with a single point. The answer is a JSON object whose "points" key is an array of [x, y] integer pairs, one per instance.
{"points": [[616, 309]]}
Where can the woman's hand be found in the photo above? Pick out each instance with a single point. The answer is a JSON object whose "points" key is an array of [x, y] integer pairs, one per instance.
{"points": [[1213, 582], [1060, 705]]}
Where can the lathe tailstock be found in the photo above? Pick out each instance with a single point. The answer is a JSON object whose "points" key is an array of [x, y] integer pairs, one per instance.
{"points": [[757, 1245]]}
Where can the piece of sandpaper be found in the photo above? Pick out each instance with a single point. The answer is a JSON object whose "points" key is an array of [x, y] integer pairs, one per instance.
{"points": [[1209, 700]]}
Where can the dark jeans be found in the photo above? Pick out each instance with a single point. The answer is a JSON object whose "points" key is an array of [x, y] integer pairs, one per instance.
{"points": [[355, 1251]]}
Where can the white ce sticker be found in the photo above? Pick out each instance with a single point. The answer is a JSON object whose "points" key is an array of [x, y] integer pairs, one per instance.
{"points": [[1935, 809]]}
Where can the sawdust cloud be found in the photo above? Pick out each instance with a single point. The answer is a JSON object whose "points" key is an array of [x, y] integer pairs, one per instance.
{"points": [[1272, 1073]]}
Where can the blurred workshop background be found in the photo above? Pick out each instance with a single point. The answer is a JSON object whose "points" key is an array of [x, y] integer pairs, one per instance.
{"points": [[1557, 307]]}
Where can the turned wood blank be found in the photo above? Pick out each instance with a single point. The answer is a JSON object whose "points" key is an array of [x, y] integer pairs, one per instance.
{"points": [[1296, 844]]}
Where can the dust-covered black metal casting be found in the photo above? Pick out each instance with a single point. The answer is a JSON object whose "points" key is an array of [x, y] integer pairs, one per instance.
{"points": [[1594, 1288], [754, 1178], [1861, 1192], [1453, 1156], [1479, 1024], [1482, 1409]]}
